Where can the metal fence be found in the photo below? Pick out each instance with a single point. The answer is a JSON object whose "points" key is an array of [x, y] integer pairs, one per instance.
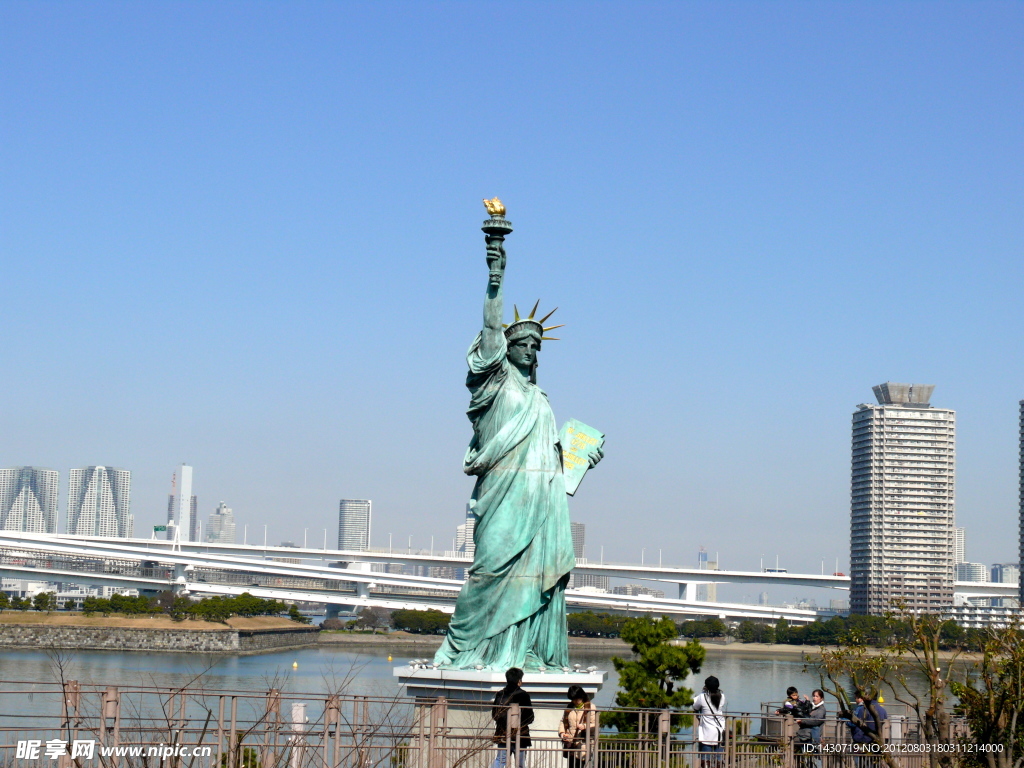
{"points": [[87, 725]]}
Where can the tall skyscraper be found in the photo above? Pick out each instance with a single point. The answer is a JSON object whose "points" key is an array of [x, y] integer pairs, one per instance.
{"points": [[220, 528], [579, 548], [28, 499], [464, 534], [708, 592], [354, 524], [182, 525], [902, 502], [1020, 549], [99, 502]]}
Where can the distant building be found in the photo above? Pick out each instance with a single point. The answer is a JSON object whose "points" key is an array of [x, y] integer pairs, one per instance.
{"points": [[28, 499], [1020, 550], [972, 572], [464, 534], [902, 502], [291, 560], [578, 580], [182, 524], [973, 616], [635, 590], [220, 527], [707, 592], [1005, 573], [354, 524], [959, 545], [99, 502]]}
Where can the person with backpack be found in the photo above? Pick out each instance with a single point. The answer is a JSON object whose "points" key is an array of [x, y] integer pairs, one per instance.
{"points": [[709, 733], [512, 693]]}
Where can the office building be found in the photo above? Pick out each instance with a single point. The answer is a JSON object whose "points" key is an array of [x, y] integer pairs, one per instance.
{"points": [[99, 502], [220, 528], [354, 524], [182, 507], [28, 499], [578, 580], [902, 502], [1005, 573], [464, 543]]}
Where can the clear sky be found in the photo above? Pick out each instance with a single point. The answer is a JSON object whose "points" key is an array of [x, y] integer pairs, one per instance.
{"points": [[246, 236]]}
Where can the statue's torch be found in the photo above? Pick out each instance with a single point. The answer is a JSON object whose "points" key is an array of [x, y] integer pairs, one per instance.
{"points": [[495, 230]]}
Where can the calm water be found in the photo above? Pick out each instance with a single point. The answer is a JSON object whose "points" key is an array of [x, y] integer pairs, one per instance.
{"points": [[746, 678]]}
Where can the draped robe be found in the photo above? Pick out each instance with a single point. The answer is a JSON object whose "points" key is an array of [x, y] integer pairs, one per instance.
{"points": [[511, 610]]}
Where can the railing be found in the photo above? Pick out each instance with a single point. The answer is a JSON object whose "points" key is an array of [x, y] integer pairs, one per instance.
{"points": [[82, 725]]}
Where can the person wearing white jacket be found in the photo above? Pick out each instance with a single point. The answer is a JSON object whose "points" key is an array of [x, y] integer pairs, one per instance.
{"points": [[709, 731]]}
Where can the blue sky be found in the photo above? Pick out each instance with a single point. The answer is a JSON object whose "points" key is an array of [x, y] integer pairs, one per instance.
{"points": [[246, 236]]}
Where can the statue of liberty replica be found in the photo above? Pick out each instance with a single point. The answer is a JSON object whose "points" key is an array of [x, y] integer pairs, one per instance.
{"points": [[511, 610]]}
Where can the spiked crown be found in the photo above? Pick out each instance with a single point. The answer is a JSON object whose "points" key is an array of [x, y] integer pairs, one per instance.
{"points": [[521, 326]]}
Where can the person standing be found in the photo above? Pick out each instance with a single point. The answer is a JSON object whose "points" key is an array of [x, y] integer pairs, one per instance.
{"points": [[512, 693], [578, 727], [709, 705], [809, 733]]}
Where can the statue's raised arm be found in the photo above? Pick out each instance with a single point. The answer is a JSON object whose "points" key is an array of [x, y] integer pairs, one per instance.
{"points": [[495, 231]]}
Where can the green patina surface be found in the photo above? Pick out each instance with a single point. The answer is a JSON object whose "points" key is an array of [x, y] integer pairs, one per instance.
{"points": [[511, 611]]}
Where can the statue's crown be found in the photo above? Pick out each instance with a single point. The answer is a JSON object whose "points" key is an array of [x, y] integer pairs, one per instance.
{"points": [[522, 325]]}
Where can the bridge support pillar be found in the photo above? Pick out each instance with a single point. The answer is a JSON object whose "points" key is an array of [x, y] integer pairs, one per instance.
{"points": [[180, 578], [687, 590], [331, 611]]}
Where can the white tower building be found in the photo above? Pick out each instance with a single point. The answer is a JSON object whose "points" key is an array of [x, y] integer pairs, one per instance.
{"points": [[28, 499], [354, 524], [220, 529], [99, 502], [902, 502]]}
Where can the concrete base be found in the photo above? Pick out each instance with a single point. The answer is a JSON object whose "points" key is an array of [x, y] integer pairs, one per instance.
{"points": [[470, 692]]}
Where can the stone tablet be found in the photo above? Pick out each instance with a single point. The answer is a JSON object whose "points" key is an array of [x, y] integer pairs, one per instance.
{"points": [[577, 441]]}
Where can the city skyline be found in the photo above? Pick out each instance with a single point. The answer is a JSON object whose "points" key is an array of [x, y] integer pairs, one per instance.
{"points": [[769, 197]]}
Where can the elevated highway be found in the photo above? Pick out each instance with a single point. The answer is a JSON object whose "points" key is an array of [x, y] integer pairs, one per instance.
{"points": [[347, 578]]}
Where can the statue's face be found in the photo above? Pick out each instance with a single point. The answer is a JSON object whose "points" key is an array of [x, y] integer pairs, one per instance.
{"points": [[522, 353]]}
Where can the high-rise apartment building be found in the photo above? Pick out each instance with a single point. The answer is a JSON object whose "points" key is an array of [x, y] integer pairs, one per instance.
{"points": [[579, 547], [354, 524], [28, 499], [1020, 550], [220, 528], [99, 502], [902, 502]]}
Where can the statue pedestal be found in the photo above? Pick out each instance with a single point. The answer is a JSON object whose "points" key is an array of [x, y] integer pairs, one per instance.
{"points": [[469, 694]]}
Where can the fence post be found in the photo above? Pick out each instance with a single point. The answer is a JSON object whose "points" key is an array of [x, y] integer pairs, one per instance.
{"points": [[298, 734], [664, 736], [110, 708], [513, 722], [272, 719], [332, 716], [438, 716], [69, 717]]}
